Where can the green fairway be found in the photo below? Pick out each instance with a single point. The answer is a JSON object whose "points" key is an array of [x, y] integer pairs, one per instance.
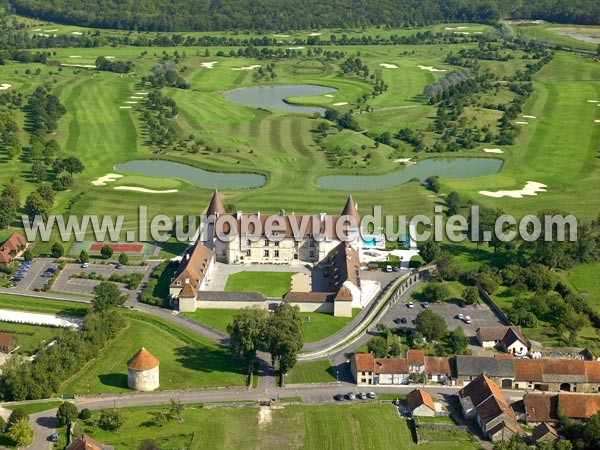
{"points": [[321, 427], [272, 284], [186, 360]]}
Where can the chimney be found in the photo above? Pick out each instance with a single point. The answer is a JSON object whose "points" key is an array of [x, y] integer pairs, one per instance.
{"points": [[187, 256], [322, 216], [238, 215], [282, 212], [187, 281], [258, 215]]}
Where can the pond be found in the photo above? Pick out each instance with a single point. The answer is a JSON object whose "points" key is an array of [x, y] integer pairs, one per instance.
{"points": [[444, 168], [273, 97], [581, 37], [199, 177]]}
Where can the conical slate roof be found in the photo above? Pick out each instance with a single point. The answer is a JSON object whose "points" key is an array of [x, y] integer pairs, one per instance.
{"points": [[143, 360], [350, 209], [215, 207]]}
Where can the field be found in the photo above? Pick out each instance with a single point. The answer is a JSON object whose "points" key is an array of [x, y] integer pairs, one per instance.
{"points": [[29, 337], [319, 427], [319, 371], [186, 360], [585, 280], [272, 284], [43, 305], [318, 327]]}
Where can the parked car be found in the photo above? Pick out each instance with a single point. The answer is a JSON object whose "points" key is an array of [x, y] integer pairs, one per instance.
{"points": [[461, 316], [372, 395], [425, 304], [397, 320], [388, 268], [54, 437], [85, 265], [396, 268], [362, 395], [119, 266], [403, 320], [468, 319], [410, 305], [350, 396], [338, 397]]}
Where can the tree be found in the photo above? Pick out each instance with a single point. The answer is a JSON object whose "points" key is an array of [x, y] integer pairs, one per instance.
{"points": [[574, 322], [457, 342], [106, 251], [470, 295], [433, 292], [158, 419], [285, 336], [67, 412], [10, 202], [123, 259], [248, 333], [28, 255], [35, 205], [57, 250], [429, 250], [84, 257], [16, 415], [431, 325], [85, 414], [453, 203], [176, 409], [433, 183], [73, 165], [378, 346], [46, 192], [591, 432], [21, 433], [111, 419], [106, 296]]}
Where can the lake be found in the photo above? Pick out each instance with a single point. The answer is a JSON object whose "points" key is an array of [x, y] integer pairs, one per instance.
{"points": [[273, 97], [199, 177], [442, 167]]}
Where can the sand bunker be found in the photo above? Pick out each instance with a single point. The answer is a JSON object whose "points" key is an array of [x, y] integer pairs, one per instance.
{"points": [[281, 35], [530, 117], [141, 93], [208, 65], [462, 28], [492, 150], [328, 95], [144, 190], [403, 160], [43, 34], [522, 123], [109, 57], [252, 67], [431, 68], [592, 101], [77, 33], [5, 86], [315, 34], [125, 107], [137, 97], [531, 188], [461, 32], [295, 48], [37, 29], [74, 56], [82, 66], [54, 29], [388, 66], [109, 177], [597, 121], [340, 104], [131, 103]]}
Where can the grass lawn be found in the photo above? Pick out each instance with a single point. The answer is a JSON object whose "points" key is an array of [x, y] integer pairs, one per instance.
{"points": [[186, 360], [319, 327], [311, 372], [29, 337], [322, 427], [33, 408], [43, 305], [272, 284], [584, 279]]}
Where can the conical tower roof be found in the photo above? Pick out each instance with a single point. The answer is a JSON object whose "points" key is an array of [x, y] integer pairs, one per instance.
{"points": [[350, 209], [143, 360], [215, 207]]}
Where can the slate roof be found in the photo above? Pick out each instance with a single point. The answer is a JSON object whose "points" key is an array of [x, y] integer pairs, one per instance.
{"points": [[194, 265], [476, 365], [542, 430], [215, 207]]}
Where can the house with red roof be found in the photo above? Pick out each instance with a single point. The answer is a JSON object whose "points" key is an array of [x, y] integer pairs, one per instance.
{"points": [[14, 246]]}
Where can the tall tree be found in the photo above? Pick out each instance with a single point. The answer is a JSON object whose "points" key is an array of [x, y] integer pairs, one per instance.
{"points": [[285, 336], [21, 433], [10, 202], [431, 325], [106, 296], [248, 333], [66, 413]]}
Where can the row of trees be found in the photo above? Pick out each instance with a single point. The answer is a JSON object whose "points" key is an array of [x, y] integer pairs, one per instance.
{"points": [[280, 333], [42, 377]]}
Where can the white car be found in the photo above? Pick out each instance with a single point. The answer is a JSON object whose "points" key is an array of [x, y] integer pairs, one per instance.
{"points": [[85, 265], [388, 268], [461, 316], [410, 304], [468, 319]]}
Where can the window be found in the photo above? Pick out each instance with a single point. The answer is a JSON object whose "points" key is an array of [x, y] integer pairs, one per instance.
{"points": [[247, 252], [266, 253], [312, 254], [295, 255], [276, 243], [312, 243], [276, 254], [266, 242]]}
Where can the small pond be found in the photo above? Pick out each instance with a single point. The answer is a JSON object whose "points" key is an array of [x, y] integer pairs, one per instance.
{"points": [[442, 167], [199, 177], [273, 97]]}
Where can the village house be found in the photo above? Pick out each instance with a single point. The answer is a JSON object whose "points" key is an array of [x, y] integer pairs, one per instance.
{"points": [[368, 370], [420, 403], [544, 432], [84, 442], [510, 339], [437, 369], [572, 375], [14, 246], [416, 361], [538, 407], [499, 368], [8, 342], [483, 401]]}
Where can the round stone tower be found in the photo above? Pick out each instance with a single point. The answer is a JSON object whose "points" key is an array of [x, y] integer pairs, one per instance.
{"points": [[142, 371]]}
